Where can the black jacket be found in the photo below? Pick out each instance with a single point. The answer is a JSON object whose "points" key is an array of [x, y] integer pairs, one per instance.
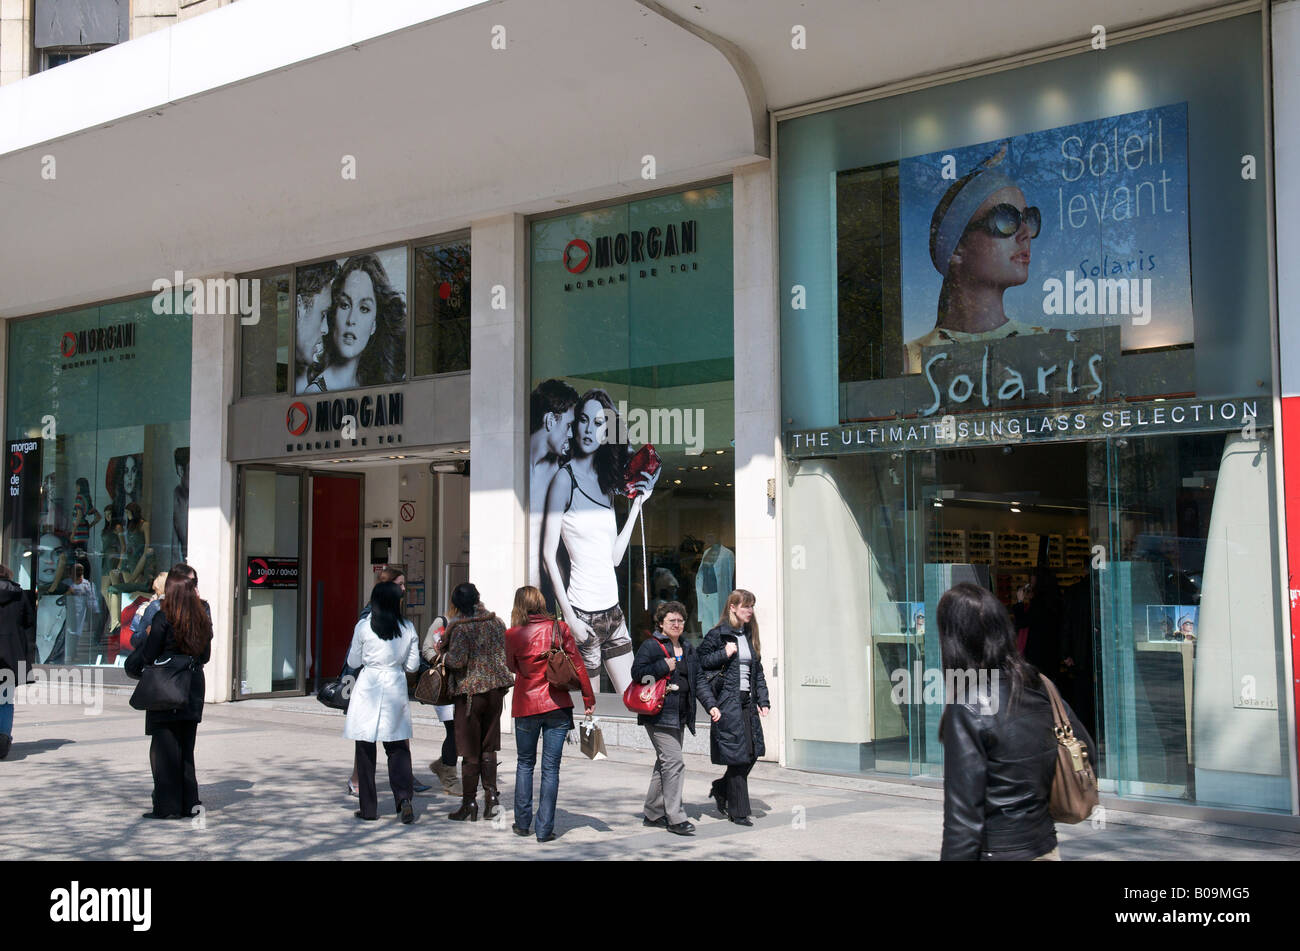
{"points": [[997, 776], [17, 627], [162, 640], [734, 740], [679, 705]]}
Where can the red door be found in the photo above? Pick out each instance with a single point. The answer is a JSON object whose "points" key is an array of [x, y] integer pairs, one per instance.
{"points": [[335, 566]]}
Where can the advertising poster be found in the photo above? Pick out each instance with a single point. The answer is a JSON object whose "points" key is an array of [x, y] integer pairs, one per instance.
{"points": [[1081, 226], [351, 322]]}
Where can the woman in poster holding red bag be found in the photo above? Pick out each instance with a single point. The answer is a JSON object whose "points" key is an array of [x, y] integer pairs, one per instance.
{"points": [[580, 511], [540, 707]]}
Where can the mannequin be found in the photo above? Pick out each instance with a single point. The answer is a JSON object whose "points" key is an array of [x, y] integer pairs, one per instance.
{"points": [[714, 581]]}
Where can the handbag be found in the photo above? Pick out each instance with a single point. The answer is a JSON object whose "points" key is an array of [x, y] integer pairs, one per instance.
{"points": [[560, 670], [165, 684], [648, 699], [1074, 785], [434, 687], [337, 693]]}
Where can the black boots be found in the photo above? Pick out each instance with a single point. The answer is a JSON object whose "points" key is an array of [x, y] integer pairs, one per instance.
{"points": [[469, 794], [491, 798]]}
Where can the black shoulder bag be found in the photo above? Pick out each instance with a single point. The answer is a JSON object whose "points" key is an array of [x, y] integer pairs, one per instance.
{"points": [[165, 684]]}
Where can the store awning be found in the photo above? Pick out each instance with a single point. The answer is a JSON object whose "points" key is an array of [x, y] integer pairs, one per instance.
{"points": [[273, 131]]}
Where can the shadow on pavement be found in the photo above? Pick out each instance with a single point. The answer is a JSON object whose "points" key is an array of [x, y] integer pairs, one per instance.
{"points": [[20, 751]]}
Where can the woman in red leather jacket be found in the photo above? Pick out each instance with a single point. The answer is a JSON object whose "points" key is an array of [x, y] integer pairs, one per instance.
{"points": [[539, 708]]}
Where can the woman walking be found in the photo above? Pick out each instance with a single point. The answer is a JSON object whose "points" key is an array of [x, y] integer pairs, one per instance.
{"points": [[385, 646], [667, 654], [445, 766], [17, 648], [999, 750], [539, 707], [182, 626], [476, 657], [731, 686]]}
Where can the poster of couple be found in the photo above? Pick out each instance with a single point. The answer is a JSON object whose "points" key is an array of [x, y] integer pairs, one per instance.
{"points": [[577, 471]]}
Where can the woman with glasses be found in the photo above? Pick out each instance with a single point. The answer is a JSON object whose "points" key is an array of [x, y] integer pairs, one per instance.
{"points": [[667, 654], [979, 241]]}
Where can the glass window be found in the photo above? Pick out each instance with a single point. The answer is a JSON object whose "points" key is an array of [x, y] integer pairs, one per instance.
{"points": [[264, 346], [631, 336], [441, 324], [106, 392]]}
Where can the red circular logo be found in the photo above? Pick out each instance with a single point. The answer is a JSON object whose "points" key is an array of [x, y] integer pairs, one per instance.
{"points": [[408, 511], [577, 255], [69, 344], [297, 419], [258, 570], [444, 290], [16, 462]]}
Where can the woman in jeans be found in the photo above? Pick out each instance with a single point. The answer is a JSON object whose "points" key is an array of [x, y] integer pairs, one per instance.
{"points": [[666, 654], [999, 749], [732, 688], [475, 643], [539, 708], [182, 626]]}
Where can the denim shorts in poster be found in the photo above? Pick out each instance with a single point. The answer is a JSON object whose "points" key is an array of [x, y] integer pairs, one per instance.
{"points": [[1109, 246]]}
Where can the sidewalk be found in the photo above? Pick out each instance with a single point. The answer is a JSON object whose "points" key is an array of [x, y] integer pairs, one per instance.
{"points": [[272, 775]]}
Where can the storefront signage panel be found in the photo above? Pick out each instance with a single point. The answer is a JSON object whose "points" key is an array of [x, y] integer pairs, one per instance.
{"points": [[266, 572], [1148, 418]]}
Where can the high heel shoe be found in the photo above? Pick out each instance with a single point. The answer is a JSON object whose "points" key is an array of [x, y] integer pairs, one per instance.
{"points": [[491, 804], [467, 810]]}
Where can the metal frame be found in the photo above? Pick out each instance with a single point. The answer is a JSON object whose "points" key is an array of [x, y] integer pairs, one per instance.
{"points": [[1059, 51]]}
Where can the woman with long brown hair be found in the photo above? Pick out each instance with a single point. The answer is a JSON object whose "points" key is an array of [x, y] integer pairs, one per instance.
{"points": [[182, 626], [731, 686]]}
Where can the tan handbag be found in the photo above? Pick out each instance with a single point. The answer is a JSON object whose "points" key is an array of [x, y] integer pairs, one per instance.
{"points": [[1074, 787]]}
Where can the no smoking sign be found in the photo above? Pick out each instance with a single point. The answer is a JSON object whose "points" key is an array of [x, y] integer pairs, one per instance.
{"points": [[408, 511]]}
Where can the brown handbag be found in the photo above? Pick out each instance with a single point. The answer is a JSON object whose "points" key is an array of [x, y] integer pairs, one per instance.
{"points": [[1074, 786], [434, 687], [560, 671]]}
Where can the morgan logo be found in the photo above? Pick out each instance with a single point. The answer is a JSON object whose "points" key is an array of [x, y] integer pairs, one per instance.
{"points": [[69, 345], [297, 419], [577, 255]]}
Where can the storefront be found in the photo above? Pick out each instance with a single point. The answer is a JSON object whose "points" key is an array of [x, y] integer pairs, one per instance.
{"points": [[631, 336], [1027, 341], [351, 440], [98, 430]]}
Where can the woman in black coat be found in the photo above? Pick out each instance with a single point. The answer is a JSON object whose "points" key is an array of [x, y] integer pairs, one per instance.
{"points": [[667, 654], [182, 626], [731, 686], [17, 649]]}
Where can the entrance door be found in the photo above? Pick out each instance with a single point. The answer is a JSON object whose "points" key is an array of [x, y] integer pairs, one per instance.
{"points": [[270, 526], [335, 568]]}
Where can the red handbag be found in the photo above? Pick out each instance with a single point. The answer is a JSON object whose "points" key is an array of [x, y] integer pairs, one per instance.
{"points": [[646, 462], [648, 698]]}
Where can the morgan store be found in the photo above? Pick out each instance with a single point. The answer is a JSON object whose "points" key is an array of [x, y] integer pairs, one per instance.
{"points": [[1037, 356]]}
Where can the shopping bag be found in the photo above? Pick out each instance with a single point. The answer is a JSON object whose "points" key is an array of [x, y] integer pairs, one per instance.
{"points": [[592, 740]]}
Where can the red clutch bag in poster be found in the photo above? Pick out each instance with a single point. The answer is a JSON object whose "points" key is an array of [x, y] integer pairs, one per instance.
{"points": [[645, 462]]}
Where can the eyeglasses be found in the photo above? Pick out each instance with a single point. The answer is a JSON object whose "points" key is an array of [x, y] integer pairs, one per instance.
{"points": [[1004, 220]]}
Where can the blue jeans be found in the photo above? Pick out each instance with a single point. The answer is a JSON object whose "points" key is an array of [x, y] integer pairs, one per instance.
{"points": [[552, 727], [7, 717]]}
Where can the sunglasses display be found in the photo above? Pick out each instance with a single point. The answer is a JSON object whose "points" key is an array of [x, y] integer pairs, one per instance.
{"points": [[1003, 221]]}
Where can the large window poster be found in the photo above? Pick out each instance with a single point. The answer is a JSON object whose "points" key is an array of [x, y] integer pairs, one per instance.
{"points": [[106, 392], [1075, 227], [350, 324], [630, 443]]}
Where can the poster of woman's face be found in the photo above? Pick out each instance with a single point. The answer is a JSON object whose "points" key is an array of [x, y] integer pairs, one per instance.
{"points": [[351, 322], [123, 478]]}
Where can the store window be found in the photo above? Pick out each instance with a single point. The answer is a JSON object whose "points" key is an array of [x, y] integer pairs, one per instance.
{"points": [[105, 394], [632, 386], [266, 344], [1036, 355], [441, 318]]}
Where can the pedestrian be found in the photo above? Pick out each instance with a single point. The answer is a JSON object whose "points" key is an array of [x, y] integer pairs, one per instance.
{"points": [[81, 597], [183, 626], [999, 747], [17, 649], [539, 707], [445, 766], [731, 686], [667, 654], [397, 577], [145, 613], [476, 661], [386, 648]]}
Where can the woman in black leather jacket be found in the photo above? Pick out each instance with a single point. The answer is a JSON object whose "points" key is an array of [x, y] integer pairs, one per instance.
{"points": [[999, 742]]}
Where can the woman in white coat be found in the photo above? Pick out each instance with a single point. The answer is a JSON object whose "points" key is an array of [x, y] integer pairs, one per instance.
{"points": [[386, 646]]}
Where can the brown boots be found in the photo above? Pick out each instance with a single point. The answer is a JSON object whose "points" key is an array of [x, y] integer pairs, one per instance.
{"points": [[491, 798], [469, 795]]}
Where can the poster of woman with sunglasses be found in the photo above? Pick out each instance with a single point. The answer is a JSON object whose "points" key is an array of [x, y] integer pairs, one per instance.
{"points": [[1027, 234]]}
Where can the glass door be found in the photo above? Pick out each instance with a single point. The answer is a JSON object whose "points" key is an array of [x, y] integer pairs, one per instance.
{"points": [[270, 644]]}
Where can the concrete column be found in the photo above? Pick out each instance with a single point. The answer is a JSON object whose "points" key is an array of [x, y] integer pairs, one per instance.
{"points": [[211, 549], [498, 522], [15, 40], [758, 432]]}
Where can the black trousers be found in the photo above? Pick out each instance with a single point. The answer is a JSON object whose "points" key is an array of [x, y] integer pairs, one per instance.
{"points": [[400, 777], [449, 745], [735, 781], [171, 758]]}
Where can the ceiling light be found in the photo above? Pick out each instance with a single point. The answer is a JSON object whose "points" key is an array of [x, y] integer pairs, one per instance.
{"points": [[677, 481], [719, 452], [1016, 510]]}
